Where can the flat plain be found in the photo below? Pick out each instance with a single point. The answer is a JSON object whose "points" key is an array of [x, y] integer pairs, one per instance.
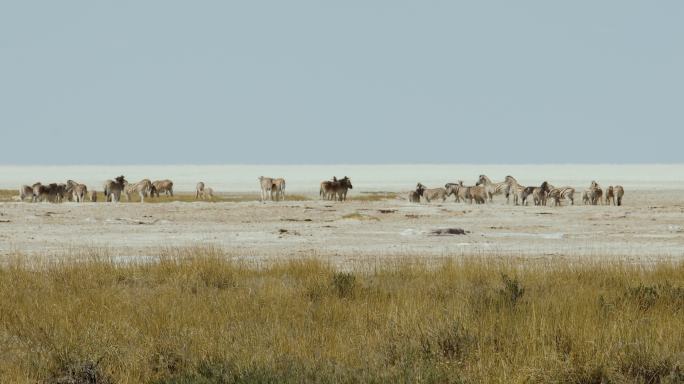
{"points": [[370, 227]]}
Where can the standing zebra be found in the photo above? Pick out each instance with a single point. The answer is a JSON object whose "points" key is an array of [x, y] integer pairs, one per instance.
{"points": [[538, 194], [610, 195], [143, 188], [493, 188], [557, 194], [113, 188], [515, 188], [432, 193], [619, 192], [594, 193], [457, 189]]}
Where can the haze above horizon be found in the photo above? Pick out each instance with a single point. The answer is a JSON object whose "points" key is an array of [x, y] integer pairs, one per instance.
{"points": [[306, 82]]}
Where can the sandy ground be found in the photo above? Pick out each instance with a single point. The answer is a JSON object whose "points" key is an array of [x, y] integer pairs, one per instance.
{"points": [[649, 227]]}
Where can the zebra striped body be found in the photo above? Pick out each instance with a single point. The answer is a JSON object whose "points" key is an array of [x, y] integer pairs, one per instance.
{"points": [[557, 194], [432, 193], [77, 191], [515, 189], [594, 193], [476, 193], [162, 186], [25, 192], [610, 195], [278, 189], [456, 189], [143, 188], [619, 193], [492, 189]]}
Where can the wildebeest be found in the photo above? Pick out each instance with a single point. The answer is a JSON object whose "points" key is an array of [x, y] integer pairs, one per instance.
{"points": [[113, 188], [93, 196], [143, 188], [162, 186]]}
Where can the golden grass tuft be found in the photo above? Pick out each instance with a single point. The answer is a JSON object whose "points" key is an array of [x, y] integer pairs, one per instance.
{"points": [[194, 316], [359, 216], [372, 196], [7, 195]]}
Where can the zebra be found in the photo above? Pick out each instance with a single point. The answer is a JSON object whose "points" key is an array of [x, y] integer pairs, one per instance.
{"points": [[143, 188], [514, 188], [493, 188], [538, 194], [77, 191], [433, 193], [278, 188], [48, 192], [456, 189], [341, 188], [162, 186], [619, 193], [209, 193], [414, 196], [25, 191], [476, 193], [266, 184], [203, 191], [113, 188], [594, 193], [199, 190], [335, 189], [610, 195], [561, 193]]}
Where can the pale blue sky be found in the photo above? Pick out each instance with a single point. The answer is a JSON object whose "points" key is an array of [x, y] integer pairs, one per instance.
{"points": [[95, 82]]}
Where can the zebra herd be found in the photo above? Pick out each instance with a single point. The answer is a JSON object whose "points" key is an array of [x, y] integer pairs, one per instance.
{"points": [[484, 190], [112, 190], [335, 189]]}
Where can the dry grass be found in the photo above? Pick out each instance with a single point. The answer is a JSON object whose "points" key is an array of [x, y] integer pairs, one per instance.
{"points": [[359, 216], [8, 195], [222, 197], [373, 196], [196, 317]]}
